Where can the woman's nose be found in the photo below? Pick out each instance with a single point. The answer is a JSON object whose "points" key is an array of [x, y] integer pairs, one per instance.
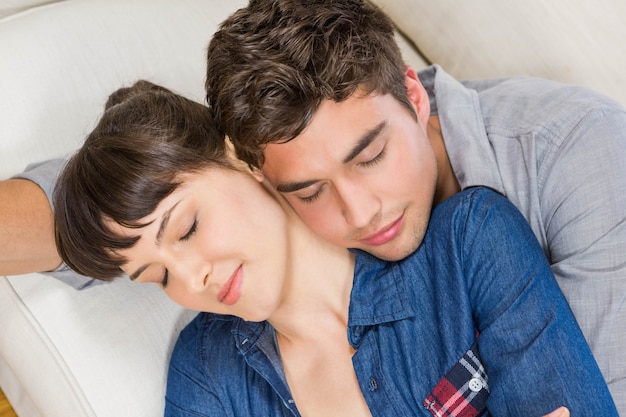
{"points": [[193, 273]]}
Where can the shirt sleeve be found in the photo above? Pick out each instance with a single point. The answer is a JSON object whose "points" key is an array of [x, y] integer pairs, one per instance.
{"points": [[45, 175], [583, 211], [189, 392], [529, 340]]}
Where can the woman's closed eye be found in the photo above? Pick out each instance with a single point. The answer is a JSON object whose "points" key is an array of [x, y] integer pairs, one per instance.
{"points": [[164, 279], [190, 232]]}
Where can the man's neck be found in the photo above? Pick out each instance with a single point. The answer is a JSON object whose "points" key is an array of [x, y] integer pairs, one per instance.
{"points": [[447, 184]]}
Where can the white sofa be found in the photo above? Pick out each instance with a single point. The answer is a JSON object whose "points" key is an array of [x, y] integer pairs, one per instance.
{"points": [[104, 351]]}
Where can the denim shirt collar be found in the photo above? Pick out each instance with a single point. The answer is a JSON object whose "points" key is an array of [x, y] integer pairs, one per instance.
{"points": [[379, 295], [256, 342], [463, 129]]}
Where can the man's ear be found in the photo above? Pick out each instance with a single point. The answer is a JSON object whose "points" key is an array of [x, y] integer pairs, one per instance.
{"points": [[230, 148], [257, 173], [417, 95]]}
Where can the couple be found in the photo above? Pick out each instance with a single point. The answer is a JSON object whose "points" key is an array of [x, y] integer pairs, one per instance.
{"points": [[320, 183], [472, 322]]}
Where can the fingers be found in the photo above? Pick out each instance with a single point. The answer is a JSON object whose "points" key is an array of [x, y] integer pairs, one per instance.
{"points": [[559, 412]]}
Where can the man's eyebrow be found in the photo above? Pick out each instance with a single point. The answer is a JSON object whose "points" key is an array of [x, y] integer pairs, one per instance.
{"points": [[164, 221], [364, 142], [366, 139], [290, 187]]}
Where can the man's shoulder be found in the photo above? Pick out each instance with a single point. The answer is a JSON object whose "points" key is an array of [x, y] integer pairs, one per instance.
{"points": [[538, 98], [535, 88]]}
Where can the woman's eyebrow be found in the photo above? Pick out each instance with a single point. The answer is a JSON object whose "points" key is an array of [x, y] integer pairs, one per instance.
{"points": [[164, 221], [137, 273]]}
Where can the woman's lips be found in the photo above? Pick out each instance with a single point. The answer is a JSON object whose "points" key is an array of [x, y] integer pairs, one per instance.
{"points": [[385, 235], [231, 290]]}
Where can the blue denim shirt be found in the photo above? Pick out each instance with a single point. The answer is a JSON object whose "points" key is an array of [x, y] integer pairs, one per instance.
{"points": [[558, 152], [479, 272]]}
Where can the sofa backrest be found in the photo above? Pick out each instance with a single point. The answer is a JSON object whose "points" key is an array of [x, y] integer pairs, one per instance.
{"points": [[9, 7], [60, 61], [573, 41]]}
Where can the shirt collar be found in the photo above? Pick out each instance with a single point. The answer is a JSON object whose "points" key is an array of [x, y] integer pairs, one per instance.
{"points": [[464, 133], [379, 294]]}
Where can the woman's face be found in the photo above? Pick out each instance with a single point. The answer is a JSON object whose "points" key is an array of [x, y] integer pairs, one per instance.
{"points": [[218, 244]]}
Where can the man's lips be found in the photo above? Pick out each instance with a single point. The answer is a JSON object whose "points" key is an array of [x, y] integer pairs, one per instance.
{"points": [[231, 290], [385, 235]]}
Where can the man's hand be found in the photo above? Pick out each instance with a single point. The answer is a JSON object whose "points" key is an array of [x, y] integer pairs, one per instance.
{"points": [[26, 229]]}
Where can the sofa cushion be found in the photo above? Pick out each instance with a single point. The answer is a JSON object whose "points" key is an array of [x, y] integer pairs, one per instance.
{"points": [[99, 352]]}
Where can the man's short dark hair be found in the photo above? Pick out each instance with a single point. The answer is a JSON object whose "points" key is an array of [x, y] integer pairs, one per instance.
{"points": [[272, 63]]}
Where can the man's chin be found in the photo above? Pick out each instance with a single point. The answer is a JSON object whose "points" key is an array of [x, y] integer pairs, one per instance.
{"points": [[391, 252]]}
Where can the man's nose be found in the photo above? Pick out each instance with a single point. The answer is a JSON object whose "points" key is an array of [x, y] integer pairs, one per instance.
{"points": [[358, 204]]}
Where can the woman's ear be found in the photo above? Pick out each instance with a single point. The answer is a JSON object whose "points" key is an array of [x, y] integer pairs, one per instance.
{"points": [[417, 95]]}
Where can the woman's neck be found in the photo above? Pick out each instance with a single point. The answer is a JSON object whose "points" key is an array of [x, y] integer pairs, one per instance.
{"points": [[317, 288]]}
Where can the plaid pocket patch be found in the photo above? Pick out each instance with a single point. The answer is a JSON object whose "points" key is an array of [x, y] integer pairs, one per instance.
{"points": [[463, 392]]}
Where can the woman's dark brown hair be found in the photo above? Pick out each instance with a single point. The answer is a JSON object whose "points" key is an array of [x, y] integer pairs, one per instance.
{"points": [[128, 164]]}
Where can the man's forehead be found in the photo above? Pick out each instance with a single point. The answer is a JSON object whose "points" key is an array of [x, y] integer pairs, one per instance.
{"points": [[332, 136], [289, 161]]}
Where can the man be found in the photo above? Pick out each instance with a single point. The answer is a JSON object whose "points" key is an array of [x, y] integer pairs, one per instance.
{"points": [[362, 147]]}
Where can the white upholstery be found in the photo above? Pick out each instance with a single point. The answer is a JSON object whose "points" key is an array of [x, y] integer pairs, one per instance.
{"points": [[60, 62], [99, 352], [573, 41], [9, 7], [103, 351]]}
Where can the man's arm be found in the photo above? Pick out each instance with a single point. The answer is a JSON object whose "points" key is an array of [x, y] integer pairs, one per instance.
{"points": [[584, 210], [26, 229]]}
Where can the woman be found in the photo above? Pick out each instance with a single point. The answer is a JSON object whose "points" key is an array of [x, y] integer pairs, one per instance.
{"points": [[472, 323]]}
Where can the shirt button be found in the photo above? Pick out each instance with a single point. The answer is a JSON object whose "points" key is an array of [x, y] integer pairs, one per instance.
{"points": [[475, 384], [373, 384]]}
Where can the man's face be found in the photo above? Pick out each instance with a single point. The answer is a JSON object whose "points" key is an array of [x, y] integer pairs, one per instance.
{"points": [[361, 175]]}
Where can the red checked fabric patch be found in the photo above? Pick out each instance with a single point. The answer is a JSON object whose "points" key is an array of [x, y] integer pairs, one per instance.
{"points": [[463, 392]]}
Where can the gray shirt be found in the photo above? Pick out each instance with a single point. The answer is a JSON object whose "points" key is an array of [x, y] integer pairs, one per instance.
{"points": [[557, 152]]}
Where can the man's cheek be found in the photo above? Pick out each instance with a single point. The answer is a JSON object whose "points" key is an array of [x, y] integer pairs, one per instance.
{"points": [[320, 220]]}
